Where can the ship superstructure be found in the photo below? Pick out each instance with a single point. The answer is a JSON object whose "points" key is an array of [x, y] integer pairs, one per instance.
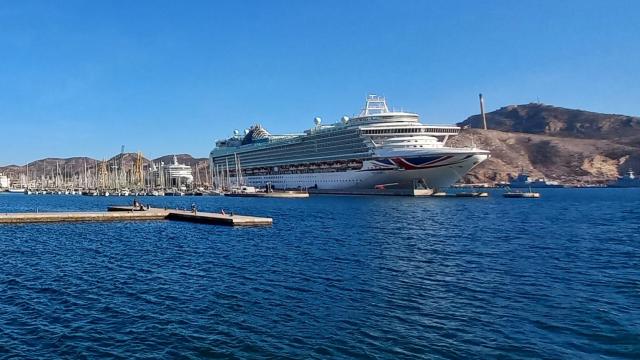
{"points": [[376, 148]]}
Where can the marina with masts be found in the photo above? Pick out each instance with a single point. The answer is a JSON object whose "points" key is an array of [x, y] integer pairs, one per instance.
{"points": [[123, 175]]}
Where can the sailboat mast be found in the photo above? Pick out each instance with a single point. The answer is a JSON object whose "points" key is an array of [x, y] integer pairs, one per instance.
{"points": [[228, 179], [235, 167], [214, 179], [217, 176], [239, 173]]}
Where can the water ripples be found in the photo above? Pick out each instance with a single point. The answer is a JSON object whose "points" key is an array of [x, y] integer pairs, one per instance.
{"points": [[334, 277]]}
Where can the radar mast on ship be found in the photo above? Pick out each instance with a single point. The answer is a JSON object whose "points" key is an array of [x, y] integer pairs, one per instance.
{"points": [[375, 105]]}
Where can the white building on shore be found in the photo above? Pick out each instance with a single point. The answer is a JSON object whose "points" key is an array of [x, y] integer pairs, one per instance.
{"points": [[4, 181]]}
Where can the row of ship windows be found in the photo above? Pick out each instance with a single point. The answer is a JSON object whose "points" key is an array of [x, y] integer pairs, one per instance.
{"points": [[450, 131], [276, 177], [250, 164], [333, 133], [296, 148], [311, 142], [314, 180], [311, 139], [299, 154], [348, 152], [407, 131], [338, 139], [273, 166], [391, 131], [297, 172], [309, 148]]}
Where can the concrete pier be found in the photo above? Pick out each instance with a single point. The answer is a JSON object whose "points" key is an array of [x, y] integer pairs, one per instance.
{"points": [[17, 218], [128, 213], [220, 219]]}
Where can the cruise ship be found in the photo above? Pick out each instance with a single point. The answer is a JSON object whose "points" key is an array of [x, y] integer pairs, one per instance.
{"points": [[377, 149]]}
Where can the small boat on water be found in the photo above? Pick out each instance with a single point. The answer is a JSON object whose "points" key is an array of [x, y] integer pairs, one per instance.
{"points": [[250, 191], [463, 194], [472, 194], [173, 192], [199, 192], [629, 180], [17, 191], [521, 194]]}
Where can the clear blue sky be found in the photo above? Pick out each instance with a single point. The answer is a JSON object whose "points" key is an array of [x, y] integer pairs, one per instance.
{"points": [[84, 77]]}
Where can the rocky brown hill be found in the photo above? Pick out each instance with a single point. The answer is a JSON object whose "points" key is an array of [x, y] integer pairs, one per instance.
{"points": [[565, 159], [570, 145], [49, 166], [557, 121]]}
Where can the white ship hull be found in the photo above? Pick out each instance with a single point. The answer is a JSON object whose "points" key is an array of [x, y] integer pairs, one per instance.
{"points": [[437, 175]]}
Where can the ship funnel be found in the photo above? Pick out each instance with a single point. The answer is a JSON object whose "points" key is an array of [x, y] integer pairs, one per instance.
{"points": [[484, 117]]}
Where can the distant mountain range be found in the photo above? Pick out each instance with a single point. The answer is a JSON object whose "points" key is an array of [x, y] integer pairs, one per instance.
{"points": [[75, 166], [553, 142]]}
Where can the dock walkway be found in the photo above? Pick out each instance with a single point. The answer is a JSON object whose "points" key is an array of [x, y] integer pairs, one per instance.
{"points": [[214, 218], [129, 213]]}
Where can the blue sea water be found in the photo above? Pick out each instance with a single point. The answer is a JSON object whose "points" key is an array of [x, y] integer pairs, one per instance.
{"points": [[334, 277]]}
